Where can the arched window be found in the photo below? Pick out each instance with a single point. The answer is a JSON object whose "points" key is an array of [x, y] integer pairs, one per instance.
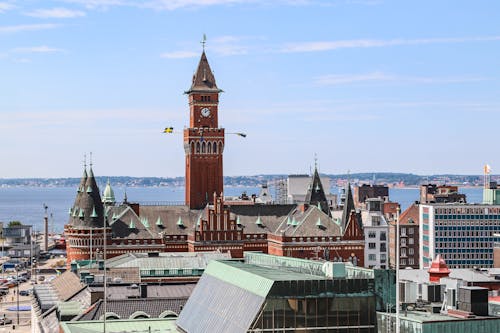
{"points": [[220, 147], [215, 147], [209, 148], [192, 147], [197, 147], [203, 148]]}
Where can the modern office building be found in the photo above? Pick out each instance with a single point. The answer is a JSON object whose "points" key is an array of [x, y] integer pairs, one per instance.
{"points": [[463, 234]]}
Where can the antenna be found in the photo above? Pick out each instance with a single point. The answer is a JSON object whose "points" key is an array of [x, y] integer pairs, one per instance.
{"points": [[315, 161], [203, 42]]}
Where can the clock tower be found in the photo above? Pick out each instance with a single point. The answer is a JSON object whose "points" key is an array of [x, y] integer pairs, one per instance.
{"points": [[203, 140]]}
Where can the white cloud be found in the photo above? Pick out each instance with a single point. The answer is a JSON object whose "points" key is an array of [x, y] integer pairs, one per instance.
{"points": [[37, 49], [370, 43], [56, 13], [339, 79], [27, 27], [5, 6]]}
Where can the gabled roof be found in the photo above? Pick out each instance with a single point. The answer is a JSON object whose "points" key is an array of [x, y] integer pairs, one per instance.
{"points": [[316, 195], [203, 79], [410, 215]]}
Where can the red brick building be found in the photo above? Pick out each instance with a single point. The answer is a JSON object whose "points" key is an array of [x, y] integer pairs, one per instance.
{"points": [[206, 222]]}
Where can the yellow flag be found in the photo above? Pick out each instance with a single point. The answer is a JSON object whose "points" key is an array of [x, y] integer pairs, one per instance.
{"points": [[168, 130]]}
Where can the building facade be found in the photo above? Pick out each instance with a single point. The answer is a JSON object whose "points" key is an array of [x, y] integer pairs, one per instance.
{"points": [[463, 234], [206, 222]]}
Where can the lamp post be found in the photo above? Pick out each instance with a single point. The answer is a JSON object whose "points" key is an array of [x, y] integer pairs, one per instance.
{"points": [[17, 293], [397, 270]]}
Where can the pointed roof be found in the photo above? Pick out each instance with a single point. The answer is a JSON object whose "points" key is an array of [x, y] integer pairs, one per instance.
{"points": [[108, 197], [203, 79], [88, 204], [439, 266], [315, 195], [348, 205]]}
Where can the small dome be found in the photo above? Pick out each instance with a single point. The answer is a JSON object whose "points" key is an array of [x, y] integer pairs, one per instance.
{"points": [[108, 197]]}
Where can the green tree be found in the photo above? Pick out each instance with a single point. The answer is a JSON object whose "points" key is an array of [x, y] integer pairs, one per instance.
{"points": [[14, 223]]}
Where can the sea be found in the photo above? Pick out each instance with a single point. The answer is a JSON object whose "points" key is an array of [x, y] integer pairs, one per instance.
{"points": [[26, 204]]}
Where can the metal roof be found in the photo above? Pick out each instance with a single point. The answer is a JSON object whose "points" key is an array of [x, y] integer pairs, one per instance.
{"points": [[166, 325]]}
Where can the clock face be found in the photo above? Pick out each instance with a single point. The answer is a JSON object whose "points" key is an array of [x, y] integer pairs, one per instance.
{"points": [[205, 112]]}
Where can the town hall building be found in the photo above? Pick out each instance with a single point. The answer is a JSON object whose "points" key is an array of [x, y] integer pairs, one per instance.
{"points": [[206, 222]]}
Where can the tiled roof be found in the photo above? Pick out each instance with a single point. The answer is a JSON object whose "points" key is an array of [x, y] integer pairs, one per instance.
{"points": [[88, 210], [203, 79], [410, 215], [124, 308]]}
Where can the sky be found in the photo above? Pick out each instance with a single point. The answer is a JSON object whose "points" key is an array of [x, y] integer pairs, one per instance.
{"points": [[364, 85]]}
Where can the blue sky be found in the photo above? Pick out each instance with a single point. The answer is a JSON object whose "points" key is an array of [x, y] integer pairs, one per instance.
{"points": [[402, 86]]}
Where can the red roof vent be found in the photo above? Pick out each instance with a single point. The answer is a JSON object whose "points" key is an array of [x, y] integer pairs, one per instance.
{"points": [[438, 269]]}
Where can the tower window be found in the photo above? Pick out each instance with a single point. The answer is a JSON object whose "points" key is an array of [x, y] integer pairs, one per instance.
{"points": [[205, 98]]}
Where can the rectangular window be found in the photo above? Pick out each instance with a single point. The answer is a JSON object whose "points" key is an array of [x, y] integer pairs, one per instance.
{"points": [[382, 236], [403, 231], [372, 257], [410, 231], [411, 251], [372, 234], [411, 261], [372, 246], [410, 241], [382, 247]]}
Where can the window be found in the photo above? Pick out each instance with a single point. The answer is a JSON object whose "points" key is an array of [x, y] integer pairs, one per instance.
{"points": [[383, 258], [411, 261], [372, 257], [403, 241], [372, 245], [410, 231], [411, 251], [382, 247], [403, 262], [403, 231], [372, 234], [403, 252], [382, 235], [410, 241]]}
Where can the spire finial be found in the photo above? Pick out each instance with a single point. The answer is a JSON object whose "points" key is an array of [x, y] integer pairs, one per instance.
{"points": [[315, 161], [85, 161], [90, 160], [203, 42], [348, 176]]}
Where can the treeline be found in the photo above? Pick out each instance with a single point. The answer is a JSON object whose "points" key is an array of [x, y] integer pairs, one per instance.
{"points": [[387, 178]]}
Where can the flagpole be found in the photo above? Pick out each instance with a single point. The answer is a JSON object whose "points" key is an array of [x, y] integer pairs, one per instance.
{"points": [[397, 270]]}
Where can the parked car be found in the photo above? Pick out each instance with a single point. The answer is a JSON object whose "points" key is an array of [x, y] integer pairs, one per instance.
{"points": [[26, 292], [5, 321]]}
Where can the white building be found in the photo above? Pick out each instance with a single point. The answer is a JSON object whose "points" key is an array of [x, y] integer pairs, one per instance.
{"points": [[376, 230]]}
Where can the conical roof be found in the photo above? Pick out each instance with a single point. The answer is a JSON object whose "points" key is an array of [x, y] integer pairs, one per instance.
{"points": [[203, 79], [108, 197], [315, 195], [88, 210], [348, 205]]}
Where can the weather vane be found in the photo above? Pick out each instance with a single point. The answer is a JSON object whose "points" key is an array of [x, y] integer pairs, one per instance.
{"points": [[204, 41]]}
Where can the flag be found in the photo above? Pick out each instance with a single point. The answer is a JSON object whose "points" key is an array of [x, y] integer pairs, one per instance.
{"points": [[168, 130], [242, 135], [487, 169]]}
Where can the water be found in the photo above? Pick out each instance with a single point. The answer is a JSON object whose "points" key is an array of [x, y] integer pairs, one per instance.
{"points": [[26, 204]]}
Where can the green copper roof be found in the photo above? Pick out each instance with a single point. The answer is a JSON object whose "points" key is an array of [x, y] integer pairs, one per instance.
{"points": [[238, 222], [70, 212], [159, 221], [164, 325], [258, 222], [114, 216], [81, 214], [131, 225], [288, 221], [179, 221], [145, 222], [94, 214], [75, 212], [319, 222], [89, 189], [108, 196], [294, 222]]}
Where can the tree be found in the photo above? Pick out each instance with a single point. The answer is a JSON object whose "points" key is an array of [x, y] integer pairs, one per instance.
{"points": [[14, 224]]}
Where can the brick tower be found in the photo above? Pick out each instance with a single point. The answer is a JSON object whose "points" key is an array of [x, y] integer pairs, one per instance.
{"points": [[203, 140]]}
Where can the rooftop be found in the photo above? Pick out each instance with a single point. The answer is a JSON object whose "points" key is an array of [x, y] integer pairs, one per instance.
{"points": [[166, 325]]}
